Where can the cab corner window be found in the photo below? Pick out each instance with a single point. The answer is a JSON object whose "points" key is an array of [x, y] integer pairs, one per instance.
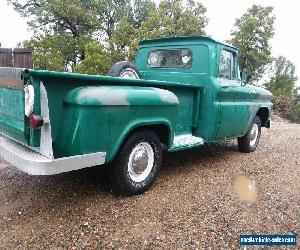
{"points": [[175, 58], [226, 68]]}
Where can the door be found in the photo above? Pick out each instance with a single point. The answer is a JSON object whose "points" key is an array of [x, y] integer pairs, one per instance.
{"points": [[227, 94]]}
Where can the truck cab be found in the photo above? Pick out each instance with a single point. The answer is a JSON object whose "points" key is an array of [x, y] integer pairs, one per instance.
{"points": [[222, 106], [180, 93]]}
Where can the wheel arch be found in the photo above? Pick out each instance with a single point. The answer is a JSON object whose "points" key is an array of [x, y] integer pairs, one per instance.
{"points": [[264, 113], [162, 128]]}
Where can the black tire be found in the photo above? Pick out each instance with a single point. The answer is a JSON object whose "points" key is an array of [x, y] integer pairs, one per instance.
{"points": [[124, 69], [121, 178], [247, 143]]}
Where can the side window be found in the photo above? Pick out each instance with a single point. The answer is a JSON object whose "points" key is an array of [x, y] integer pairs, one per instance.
{"points": [[226, 68]]}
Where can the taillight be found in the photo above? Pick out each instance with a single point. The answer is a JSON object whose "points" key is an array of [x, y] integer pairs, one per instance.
{"points": [[36, 121]]}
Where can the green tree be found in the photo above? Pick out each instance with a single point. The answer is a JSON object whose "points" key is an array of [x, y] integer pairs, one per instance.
{"points": [[97, 60], [175, 18], [251, 35], [142, 10], [75, 17], [282, 86], [295, 116], [61, 30], [123, 43], [283, 80], [69, 32], [109, 13], [170, 18], [59, 51]]}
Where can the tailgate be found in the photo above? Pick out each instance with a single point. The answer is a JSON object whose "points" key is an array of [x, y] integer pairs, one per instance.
{"points": [[12, 118]]}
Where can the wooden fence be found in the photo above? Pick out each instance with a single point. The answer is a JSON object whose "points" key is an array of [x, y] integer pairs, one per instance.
{"points": [[18, 58]]}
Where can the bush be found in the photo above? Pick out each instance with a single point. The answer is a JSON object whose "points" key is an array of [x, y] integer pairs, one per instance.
{"points": [[283, 106], [295, 116]]}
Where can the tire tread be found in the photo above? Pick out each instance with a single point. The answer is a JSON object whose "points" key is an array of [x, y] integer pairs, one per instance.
{"points": [[244, 141], [117, 68], [118, 177]]}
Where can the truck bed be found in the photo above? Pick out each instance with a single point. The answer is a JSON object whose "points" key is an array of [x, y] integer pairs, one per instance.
{"points": [[51, 91]]}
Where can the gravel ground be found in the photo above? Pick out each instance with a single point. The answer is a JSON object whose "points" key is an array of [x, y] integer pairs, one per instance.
{"points": [[199, 201]]}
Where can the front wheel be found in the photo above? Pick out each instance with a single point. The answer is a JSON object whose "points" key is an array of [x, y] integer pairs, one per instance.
{"points": [[137, 164], [249, 142]]}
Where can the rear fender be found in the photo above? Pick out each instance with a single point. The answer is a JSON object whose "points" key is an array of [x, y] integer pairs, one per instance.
{"points": [[121, 96], [98, 119]]}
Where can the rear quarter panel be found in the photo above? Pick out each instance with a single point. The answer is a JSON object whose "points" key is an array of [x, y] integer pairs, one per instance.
{"points": [[99, 118]]}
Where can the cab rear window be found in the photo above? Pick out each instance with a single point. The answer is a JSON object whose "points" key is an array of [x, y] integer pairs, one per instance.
{"points": [[173, 58]]}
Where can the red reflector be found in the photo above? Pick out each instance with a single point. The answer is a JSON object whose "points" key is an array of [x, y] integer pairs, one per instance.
{"points": [[36, 121]]}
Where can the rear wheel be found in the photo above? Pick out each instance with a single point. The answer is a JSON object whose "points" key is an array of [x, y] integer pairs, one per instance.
{"points": [[137, 164], [124, 69], [249, 142]]}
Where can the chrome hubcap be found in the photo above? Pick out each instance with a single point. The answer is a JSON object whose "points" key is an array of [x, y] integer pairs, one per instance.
{"points": [[253, 134], [140, 162], [129, 74]]}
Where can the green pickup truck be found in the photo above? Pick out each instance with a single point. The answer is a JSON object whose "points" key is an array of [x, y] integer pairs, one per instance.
{"points": [[181, 93]]}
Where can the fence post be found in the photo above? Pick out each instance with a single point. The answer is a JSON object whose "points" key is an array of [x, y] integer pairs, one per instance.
{"points": [[18, 58], [22, 58]]}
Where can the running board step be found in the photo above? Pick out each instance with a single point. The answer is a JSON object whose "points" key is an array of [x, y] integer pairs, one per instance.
{"points": [[186, 141]]}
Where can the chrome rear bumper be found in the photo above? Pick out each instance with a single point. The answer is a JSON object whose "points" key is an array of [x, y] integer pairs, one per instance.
{"points": [[34, 163]]}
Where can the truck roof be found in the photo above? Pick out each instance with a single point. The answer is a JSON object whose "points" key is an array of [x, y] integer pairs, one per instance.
{"points": [[192, 39]]}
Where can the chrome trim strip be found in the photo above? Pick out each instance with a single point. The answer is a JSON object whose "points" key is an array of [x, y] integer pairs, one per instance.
{"points": [[34, 163], [46, 137]]}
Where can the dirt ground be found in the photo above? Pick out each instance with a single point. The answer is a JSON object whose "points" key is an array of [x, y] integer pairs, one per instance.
{"points": [[200, 201]]}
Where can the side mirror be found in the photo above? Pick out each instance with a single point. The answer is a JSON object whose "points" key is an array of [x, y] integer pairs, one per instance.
{"points": [[244, 77]]}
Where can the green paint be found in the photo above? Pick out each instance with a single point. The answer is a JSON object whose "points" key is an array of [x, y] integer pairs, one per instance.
{"points": [[122, 96], [91, 113], [94, 121], [12, 108]]}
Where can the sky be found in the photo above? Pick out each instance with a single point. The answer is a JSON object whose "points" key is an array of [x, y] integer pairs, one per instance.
{"points": [[221, 14]]}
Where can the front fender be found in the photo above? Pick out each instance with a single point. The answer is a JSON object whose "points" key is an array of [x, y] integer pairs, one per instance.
{"points": [[263, 110]]}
